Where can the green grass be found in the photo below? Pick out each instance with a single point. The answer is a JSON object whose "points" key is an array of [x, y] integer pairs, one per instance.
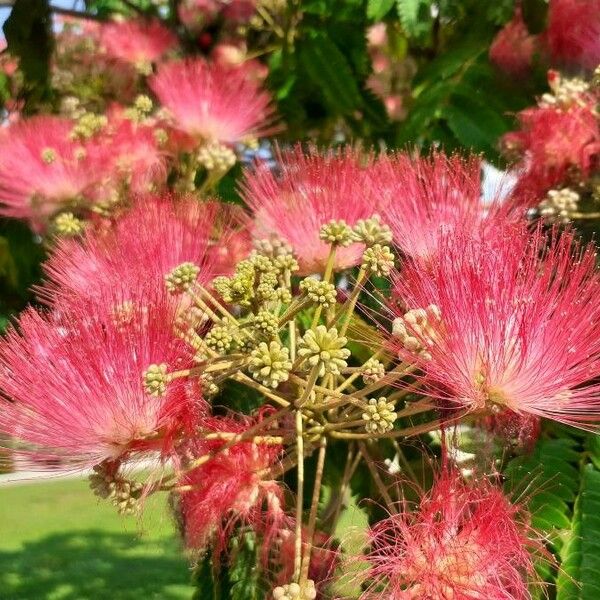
{"points": [[58, 542]]}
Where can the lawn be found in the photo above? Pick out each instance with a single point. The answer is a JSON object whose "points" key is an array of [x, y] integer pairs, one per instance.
{"points": [[58, 542]]}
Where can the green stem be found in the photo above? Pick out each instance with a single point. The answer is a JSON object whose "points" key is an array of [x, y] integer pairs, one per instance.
{"points": [[312, 518]]}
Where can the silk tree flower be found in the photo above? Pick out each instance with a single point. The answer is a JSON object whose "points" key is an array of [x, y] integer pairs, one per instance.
{"points": [[144, 246], [71, 381], [464, 541], [554, 140], [42, 169], [572, 36], [212, 102], [137, 41], [233, 488], [424, 198], [131, 153], [493, 326], [513, 48], [305, 192]]}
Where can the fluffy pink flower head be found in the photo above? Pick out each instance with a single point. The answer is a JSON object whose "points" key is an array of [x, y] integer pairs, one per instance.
{"points": [[462, 542], [212, 102], [232, 488], [513, 47], [493, 326], [307, 191], [573, 33], [136, 41], [554, 140], [427, 197], [157, 235], [71, 384], [41, 168], [132, 154]]}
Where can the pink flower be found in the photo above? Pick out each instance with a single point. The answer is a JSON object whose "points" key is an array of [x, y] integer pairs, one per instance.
{"points": [[131, 155], [137, 42], [41, 169], [462, 542], [234, 487], [211, 102], [71, 383], [307, 192], [501, 328], [553, 141], [513, 47], [573, 33], [425, 198], [156, 236]]}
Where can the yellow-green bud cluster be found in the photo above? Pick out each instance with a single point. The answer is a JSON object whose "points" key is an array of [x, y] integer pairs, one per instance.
{"points": [[156, 378], [324, 349], [272, 247], [68, 225], [286, 262], [270, 364], [181, 277], [143, 104], [559, 205], [48, 155], [216, 157], [123, 493], [372, 371], [293, 591], [255, 279], [320, 292], [219, 338], [379, 415], [337, 232], [372, 231], [565, 93], [379, 260], [209, 387], [266, 322], [416, 329], [88, 125]]}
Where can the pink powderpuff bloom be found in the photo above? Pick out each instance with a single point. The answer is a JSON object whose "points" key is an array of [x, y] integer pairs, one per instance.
{"points": [[506, 322], [42, 169], [573, 33], [232, 488], [464, 541], [425, 198], [136, 41], [144, 245], [213, 102], [71, 382], [308, 191], [131, 153], [513, 48], [553, 141]]}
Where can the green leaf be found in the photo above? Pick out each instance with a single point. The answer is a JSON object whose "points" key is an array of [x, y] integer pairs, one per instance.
{"points": [[329, 70], [244, 573], [475, 124], [415, 16], [548, 479], [377, 9], [351, 530], [579, 576]]}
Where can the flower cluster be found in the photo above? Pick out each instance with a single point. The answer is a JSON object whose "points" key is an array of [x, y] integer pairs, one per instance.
{"points": [[263, 359], [557, 148]]}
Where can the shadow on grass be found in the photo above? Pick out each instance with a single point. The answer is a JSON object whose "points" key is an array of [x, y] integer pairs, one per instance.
{"points": [[91, 565]]}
